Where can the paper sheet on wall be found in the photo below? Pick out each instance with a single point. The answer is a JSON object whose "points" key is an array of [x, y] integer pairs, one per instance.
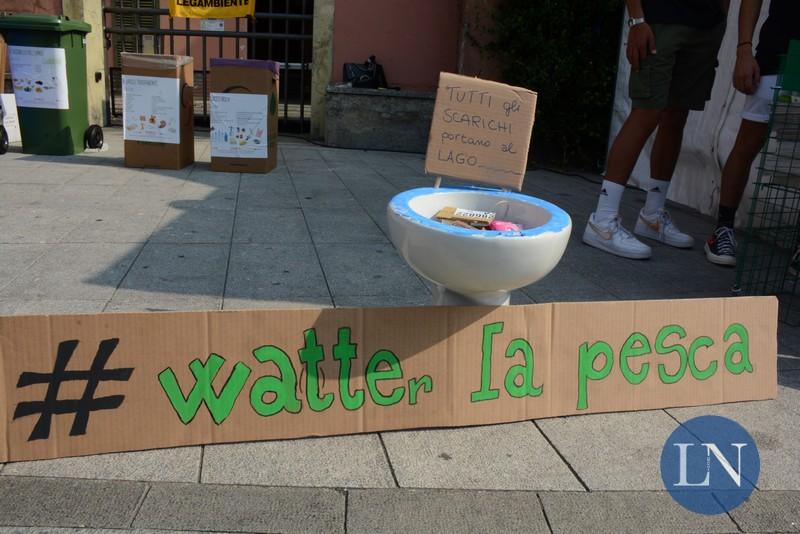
{"points": [[8, 114], [151, 109], [212, 25], [39, 77], [239, 126]]}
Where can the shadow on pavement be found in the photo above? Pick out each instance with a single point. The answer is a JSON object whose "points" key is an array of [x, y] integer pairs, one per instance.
{"points": [[313, 233]]}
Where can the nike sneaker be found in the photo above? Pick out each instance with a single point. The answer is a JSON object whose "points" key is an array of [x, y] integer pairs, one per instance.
{"points": [[662, 228], [611, 237]]}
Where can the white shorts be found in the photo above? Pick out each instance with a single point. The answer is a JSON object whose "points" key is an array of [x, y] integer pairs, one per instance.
{"points": [[757, 105]]}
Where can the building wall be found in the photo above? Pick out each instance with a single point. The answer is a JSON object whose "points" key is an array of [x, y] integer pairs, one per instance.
{"points": [[52, 7], [321, 63], [91, 12], [413, 39], [49, 7]]}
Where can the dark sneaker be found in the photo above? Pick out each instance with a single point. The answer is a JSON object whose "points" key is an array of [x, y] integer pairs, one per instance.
{"points": [[721, 247]]}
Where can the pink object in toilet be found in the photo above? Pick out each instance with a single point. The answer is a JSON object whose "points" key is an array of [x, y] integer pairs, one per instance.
{"points": [[504, 226]]}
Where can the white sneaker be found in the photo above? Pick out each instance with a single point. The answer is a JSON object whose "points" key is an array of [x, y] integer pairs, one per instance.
{"points": [[661, 228], [612, 237]]}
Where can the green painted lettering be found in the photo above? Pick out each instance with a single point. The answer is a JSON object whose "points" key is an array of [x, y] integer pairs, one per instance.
{"points": [[523, 371], [742, 347], [343, 352], [311, 354], [284, 388], [415, 383], [586, 370], [374, 375], [663, 334], [220, 406], [486, 392], [708, 372], [636, 345]]}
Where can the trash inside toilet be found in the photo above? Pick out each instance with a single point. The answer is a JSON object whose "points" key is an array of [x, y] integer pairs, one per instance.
{"points": [[474, 218], [504, 226]]}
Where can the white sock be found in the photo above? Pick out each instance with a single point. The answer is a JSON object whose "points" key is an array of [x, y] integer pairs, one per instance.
{"points": [[656, 196], [608, 202]]}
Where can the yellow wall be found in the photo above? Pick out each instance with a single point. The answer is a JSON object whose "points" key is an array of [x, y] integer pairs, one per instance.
{"points": [[321, 63], [91, 11]]}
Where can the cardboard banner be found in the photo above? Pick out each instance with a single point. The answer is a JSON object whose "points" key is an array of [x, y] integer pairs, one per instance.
{"points": [[83, 384], [481, 131], [212, 9]]}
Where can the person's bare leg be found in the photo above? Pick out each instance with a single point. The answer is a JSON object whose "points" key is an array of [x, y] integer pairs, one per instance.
{"points": [[653, 221], [721, 246], [663, 159], [748, 144], [629, 143], [667, 145], [603, 229]]}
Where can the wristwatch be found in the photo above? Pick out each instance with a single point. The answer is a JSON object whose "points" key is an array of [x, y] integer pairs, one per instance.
{"points": [[634, 21]]}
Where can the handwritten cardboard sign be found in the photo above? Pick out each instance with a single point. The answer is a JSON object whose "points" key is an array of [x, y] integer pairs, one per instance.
{"points": [[481, 131], [84, 384]]}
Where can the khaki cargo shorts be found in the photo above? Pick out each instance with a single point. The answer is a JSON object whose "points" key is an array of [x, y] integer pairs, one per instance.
{"points": [[681, 74]]}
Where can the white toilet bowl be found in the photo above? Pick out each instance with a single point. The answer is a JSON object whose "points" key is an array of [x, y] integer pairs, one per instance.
{"points": [[477, 266]]}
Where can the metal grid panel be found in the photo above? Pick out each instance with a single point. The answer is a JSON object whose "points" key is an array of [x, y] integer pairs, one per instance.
{"points": [[768, 262], [281, 30]]}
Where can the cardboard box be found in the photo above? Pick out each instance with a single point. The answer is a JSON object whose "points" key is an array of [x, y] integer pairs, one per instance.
{"points": [[123, 382], [481, 131], [244, 103], [158, 110]]}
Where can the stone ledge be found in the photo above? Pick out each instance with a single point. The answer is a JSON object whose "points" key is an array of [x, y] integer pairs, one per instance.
{"points": [[392, 93], [378, 119]]}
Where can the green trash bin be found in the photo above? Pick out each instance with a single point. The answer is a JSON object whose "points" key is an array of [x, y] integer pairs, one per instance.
{"points": [[47, 56]]}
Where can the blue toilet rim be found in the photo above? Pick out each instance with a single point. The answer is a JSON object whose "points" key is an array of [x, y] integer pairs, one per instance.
{"points": [[559, 220]]}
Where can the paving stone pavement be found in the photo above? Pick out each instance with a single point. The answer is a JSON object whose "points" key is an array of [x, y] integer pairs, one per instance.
{"points": [[83, 234]]}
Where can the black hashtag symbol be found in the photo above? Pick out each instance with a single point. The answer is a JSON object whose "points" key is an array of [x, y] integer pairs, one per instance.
{"points": [[80, 407]]}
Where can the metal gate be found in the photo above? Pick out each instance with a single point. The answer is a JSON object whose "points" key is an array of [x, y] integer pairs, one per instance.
{"points": [[281, 31]]}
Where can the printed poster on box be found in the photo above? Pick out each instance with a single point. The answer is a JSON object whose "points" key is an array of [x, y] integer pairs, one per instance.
{"points": [[39, 77], [151, 109], [239, 125]]}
